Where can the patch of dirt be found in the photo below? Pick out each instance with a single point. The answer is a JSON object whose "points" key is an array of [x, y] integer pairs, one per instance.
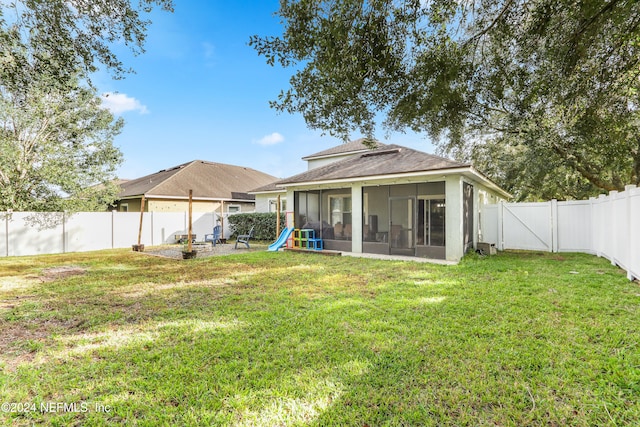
{"points": [[19, 341], [11, 303], [55, 273]]}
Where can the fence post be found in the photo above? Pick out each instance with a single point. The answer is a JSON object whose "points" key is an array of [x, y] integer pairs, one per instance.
{"points": [[64, 232], [627, 194], [554, 225], [500, 220], [6, 229], [613, 195], [602, 200], [592, 228], [113, 214]]}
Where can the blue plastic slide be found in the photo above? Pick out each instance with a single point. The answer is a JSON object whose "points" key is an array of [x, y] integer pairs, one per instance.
{"points": [[282, 240]]}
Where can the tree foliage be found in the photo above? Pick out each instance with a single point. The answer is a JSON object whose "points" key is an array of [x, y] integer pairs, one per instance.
{"points": [[63, 37], [57, 150], [541, 94], [55, 138]]}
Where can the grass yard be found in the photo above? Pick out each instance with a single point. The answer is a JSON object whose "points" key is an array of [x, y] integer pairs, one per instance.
{"points": [[270, 339]]}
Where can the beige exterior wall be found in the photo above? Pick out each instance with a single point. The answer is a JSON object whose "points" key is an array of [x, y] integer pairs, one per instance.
{"points": [[176, 205], [155, 205], [132, 205]]}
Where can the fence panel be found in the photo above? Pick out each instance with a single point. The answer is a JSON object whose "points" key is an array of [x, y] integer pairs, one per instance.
{"points": [[634, 233], [574, 226], [203, 223], [89, 232], [32, 233], [166, 225], [126, 226], [4, 234], [620, 222]]}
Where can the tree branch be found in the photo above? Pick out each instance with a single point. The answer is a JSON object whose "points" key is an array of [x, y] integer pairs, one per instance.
{"points": [[493, 23], [584, 171]]}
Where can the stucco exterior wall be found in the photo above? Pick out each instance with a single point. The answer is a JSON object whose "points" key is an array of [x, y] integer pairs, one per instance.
{"points": [[263, 201], [177, 205]]}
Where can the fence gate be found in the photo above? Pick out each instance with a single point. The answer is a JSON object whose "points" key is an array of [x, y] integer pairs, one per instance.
{"points": [[527, 226]]}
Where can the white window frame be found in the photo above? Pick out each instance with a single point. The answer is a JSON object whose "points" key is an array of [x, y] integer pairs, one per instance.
{"points": [[432, 197], [342, 212]]}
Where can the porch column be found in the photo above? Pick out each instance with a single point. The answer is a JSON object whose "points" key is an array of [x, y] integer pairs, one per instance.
{"points": [[476, 214], [356, 218], [454, 218], [290, 208]]}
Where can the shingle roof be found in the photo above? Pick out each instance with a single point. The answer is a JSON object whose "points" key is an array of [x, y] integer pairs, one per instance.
{"points": [[269, 188], [206, 179], [385, 160], [356, 146]]}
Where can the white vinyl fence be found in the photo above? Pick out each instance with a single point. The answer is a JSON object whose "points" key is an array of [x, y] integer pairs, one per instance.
{"points": [[35, 233], [607, 226]]}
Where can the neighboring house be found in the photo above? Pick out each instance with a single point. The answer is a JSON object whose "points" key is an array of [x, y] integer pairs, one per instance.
{"points": [[217, 187], [390, 200]]}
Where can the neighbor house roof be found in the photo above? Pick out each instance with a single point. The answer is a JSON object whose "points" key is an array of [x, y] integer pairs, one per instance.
{"points": [[208, 180], [384, 162], [353, 147]]}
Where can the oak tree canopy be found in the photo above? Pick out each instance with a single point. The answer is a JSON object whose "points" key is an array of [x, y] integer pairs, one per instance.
{"points": [[542, 95]]}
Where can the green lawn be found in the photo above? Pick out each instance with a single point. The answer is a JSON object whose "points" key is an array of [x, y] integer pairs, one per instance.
{"points": [[299, 339]]}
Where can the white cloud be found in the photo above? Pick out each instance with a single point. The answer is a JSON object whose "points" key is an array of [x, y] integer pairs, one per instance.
{"points": [[272, 139], [119, 103]]}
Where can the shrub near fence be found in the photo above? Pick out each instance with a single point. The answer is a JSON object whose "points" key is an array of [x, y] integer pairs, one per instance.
{"points": [[607, 226], [264, 225]]}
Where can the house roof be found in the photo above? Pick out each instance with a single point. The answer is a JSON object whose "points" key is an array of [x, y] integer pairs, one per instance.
{"points": [[353, 147], [385, 161], [272, 187], [208, 180]]}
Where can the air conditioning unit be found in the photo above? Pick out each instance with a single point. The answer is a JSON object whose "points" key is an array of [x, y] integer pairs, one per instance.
{"points": [[486, 248]]}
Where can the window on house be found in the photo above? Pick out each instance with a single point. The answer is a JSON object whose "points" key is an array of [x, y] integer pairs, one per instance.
{"points": [[233, 208], [274, 202], [124, 207]]}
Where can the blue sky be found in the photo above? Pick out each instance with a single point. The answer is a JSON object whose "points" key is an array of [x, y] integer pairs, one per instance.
{"points": [[200, 92]]}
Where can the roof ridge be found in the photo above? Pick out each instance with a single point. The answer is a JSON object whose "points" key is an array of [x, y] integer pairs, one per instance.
{"points": [[155, 185], [181, 168], [336, 149]]}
